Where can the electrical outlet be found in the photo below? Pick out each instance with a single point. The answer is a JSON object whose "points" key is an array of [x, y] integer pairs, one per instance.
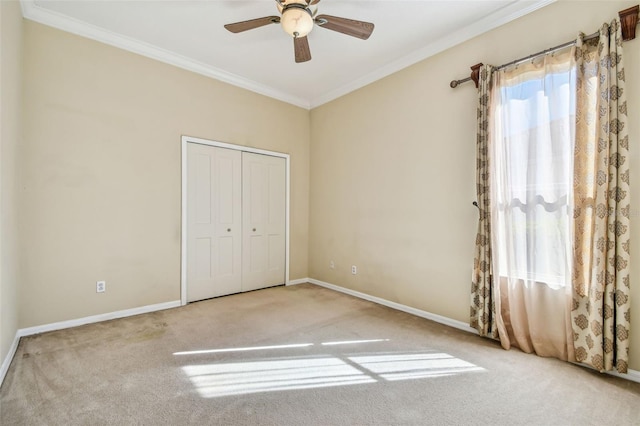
{"points": [[354, 269], [101, 286], [332, 265]]}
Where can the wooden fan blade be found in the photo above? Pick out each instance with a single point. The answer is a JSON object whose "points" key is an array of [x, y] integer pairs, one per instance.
{"points": [[346, 26], [239, 27], [301, 48]]}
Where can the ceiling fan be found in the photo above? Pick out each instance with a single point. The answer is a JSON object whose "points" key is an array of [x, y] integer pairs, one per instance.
{"points": [[297, 19]]}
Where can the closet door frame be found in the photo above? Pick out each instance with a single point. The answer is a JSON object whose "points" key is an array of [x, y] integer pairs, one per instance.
{"points": [[183, 246]]}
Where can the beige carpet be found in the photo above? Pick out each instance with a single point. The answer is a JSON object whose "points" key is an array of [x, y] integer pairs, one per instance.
{"points": [[300, 355]]}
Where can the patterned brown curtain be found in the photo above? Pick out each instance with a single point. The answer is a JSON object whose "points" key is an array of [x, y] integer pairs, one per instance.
{"points": [[482, 303], [600, 312]]}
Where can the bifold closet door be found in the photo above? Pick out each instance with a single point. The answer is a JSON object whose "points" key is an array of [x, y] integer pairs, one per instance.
{"points": [[263, 221], [214, 221], [236, 210]]}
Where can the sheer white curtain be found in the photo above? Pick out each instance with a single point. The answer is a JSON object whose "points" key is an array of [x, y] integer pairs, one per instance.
{"points": [[533, 119]]}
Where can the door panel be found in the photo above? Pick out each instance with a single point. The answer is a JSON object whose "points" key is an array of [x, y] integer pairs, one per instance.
{"points": [[202, 185], [263, 206], [276, 212], [202, 253], [214, 194]]}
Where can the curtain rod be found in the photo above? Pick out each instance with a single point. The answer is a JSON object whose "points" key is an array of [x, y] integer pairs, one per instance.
{"points": [[628, 20], [455, 83]]}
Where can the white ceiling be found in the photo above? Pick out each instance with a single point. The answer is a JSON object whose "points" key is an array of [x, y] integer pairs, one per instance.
{"points": [[190, 34]]}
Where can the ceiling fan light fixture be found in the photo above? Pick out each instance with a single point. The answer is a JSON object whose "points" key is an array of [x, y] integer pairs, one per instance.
{"points": [[296, 20]]}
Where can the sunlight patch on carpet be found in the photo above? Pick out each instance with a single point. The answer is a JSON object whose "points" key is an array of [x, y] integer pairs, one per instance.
{"points": [[213, 380], [352, 342], [251, 376], [252, 348], [414, 366]]}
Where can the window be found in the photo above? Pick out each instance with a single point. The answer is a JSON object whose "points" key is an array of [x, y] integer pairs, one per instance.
{"points": [[534, 127]]}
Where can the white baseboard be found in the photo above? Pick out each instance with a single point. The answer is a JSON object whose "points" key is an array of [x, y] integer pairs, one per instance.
{"points": [[76, 322], [400, 307], [298, 281], [97, 318], [7, 360], [632, 375]]}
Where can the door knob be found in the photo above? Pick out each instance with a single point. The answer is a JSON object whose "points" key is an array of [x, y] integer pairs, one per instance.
{"points": [[228, 229]]}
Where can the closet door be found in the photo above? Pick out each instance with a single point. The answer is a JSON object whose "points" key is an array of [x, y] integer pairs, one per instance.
{"points": [[263, 221], [214, 218]]}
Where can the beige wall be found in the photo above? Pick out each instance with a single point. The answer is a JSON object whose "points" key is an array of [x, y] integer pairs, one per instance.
{"points": [[10, 134], [392, 169], [101, 197]]}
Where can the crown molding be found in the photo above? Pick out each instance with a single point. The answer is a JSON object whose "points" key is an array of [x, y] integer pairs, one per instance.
{"points": [[512, 11], [31, 11]]}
